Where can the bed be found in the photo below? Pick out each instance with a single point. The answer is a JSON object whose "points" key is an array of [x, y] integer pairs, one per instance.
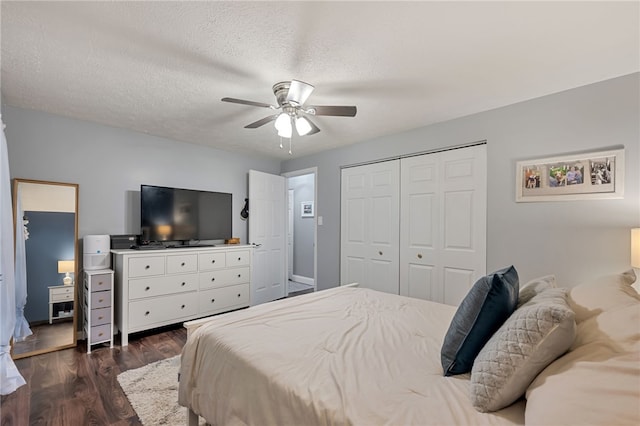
{"points": [[354, 356]]}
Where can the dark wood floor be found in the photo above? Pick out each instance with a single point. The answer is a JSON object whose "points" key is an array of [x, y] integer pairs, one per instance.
{"points": [[69, 387]]}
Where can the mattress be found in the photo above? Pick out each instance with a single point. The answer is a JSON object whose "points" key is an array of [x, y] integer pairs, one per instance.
{"points": [[344, 356]]}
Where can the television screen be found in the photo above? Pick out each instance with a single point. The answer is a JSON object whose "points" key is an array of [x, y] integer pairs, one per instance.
{"points": [[172, 214]]}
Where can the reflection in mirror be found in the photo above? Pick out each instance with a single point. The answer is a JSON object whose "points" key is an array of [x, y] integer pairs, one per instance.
{"points": [[47, 215]]}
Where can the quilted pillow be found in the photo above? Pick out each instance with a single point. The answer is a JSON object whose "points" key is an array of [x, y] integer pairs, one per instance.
{"points": [[533, 337], [483, 310], [535, 286]]}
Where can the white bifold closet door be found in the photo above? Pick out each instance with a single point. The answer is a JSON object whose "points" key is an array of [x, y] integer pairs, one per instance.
{"points": [[416, 226], [443, 214], [370, 226]]}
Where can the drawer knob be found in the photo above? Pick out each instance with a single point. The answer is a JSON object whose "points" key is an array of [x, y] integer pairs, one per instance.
{"points": [[100, 300], [380, 253], [419, 255], [100, 283], [147, 313], [182, 264], [182, 284], [213, 261], [238, 294], [238, 275], [213, 300], [147, 289], [182, 307], [99, 318], [213, 278], [147, 267], [100, 334], [238, 259]]}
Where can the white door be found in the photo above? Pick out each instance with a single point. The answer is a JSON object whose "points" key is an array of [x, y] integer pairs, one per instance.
{"points": [[443, 223], [290, 236], [267, 230], [369, 228]]}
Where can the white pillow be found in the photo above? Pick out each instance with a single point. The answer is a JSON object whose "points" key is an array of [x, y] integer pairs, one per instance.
{"points": [[597, 381], [530, 339], [602, 294], [535, 286]]}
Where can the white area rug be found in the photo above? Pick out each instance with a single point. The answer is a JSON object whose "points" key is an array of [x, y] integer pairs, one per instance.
{"points": [[152, 391]]}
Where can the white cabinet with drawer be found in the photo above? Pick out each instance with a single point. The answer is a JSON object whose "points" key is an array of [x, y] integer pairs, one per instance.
{"points": [[98, 307], [175, 285]]}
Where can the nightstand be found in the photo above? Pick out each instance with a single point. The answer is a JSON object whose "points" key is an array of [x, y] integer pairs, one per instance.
{"points": [[98, 307], [60, 294]]}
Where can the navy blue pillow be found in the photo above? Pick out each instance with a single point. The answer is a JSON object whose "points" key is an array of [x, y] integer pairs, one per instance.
{"points": [[489, 303]]}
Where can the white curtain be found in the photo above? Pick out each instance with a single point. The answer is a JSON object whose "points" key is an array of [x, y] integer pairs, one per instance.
{"points": [[22, 330], [10, 378]]}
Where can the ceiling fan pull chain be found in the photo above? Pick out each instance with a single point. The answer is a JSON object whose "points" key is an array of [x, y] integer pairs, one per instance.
{"points": [[280, 142], [290, 143]]}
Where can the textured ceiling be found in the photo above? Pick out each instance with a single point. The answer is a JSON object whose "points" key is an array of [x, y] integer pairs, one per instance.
{"points": [[162, 67]]}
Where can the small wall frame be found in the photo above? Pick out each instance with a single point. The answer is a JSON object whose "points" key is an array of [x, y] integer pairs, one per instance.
{"points": [[306, 209], [585, 176]]}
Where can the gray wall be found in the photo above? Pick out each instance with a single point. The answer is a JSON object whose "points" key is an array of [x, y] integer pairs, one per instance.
{"points": [[109, 164], [574, 240], [303, 227]]}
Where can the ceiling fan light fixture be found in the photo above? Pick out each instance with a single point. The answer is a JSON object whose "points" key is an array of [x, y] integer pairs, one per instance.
{"points": [[283, 125], [302, 126]]}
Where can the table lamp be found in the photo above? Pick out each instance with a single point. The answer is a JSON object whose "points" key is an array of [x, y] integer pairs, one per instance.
{"points": [[635, 247], [65, 267]]}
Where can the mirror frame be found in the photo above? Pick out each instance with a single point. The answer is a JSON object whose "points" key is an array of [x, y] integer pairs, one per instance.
{"points": [[78, 280]]}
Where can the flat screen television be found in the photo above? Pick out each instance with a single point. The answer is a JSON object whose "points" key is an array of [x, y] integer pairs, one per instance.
{"points": [[174, 214]]}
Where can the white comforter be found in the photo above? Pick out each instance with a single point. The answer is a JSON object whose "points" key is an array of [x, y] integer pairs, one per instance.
{"points": [[336, 357]]}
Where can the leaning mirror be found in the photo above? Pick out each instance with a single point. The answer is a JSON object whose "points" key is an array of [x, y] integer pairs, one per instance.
{"points": [[46, 219]]}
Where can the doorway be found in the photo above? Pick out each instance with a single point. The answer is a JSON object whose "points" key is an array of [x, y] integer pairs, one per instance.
{"points": [[301, 231]]}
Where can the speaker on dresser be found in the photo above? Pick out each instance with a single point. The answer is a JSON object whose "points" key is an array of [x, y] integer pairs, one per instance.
{"points": [[96, 254]]}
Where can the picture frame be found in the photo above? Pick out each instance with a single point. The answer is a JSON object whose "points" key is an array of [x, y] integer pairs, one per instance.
{"points": [[584, 176], [306, 209]]}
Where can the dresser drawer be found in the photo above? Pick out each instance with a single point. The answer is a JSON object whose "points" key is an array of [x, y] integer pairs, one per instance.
{"points": [[61, 293], [238, 258], [100, 282], [224, 277], [100, 299], [145, 312], [100, 333], [221, 299], [214, 260], [100, 316], [146, 266], [182, 264], [148, 287]]}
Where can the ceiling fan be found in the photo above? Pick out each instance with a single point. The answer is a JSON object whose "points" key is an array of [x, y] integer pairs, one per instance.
{"points": [[291, 96]]}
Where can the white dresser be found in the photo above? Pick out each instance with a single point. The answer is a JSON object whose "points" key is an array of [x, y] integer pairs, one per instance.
{"points": [[98, 307], [155, 288]]}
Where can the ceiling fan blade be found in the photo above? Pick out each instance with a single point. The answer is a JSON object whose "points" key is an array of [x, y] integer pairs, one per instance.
{"points": [[261, 122], [314, 128], [299, 92], [243, 102], [340, 111]]}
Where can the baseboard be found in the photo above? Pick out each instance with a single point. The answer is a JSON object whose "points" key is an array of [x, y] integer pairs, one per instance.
{"points": [[303, 280]]}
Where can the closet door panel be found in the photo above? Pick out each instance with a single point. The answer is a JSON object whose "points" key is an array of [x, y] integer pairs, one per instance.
{"points": [[370, 226], [457, 283], [447, 234], [419, 221]]}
